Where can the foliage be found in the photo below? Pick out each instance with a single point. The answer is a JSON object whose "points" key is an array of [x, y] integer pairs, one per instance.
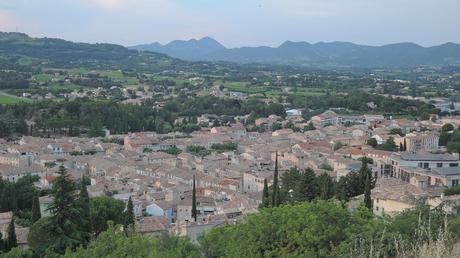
{"points": [[447, 128], [105, 209], [115, 243], [389, 145], [172, 150], [199, 151], [452, 190], [64, 226], [397, 131], [36, 214], [275, 187], [230, 146], [129, 214], [312, 229], [194, 210]]}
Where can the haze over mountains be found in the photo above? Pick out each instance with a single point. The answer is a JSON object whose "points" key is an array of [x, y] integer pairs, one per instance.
{"points": [[303, 53]]}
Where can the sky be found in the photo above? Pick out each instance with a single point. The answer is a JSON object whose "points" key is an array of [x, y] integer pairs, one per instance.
{"points": [[236, 23]]}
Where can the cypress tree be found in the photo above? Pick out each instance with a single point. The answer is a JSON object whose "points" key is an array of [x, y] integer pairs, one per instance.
{"points": [[2, 244], [265, 195], [11, 240], [194, 212], [36, 214], [129, 213], [367, 193], [405, 145], [275, 197], [83, 200]]}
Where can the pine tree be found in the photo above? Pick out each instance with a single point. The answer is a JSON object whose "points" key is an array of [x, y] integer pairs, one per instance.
{"points": [[36, 214], [275, 197], [65, 220], [265, 195], [367, 192], [194, 212], [83, 200], [129, 213], [11, 240]]}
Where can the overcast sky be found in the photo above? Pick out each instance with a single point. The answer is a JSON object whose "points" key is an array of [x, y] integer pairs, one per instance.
{"points": [[236, 22]]}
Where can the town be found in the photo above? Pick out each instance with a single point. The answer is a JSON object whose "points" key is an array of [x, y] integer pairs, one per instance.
{"points": [[230, 164]]}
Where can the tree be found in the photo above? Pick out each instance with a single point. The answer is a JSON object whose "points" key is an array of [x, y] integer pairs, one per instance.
{"points": [[447, 128], [65, 220], [275, 197], [11, 240], [308, 188], [325, 186], [397, 131], [265, 195], [115, 243], [290, 181], [309, 127], [83, 201], [36, 214], [405, 145], [104, 209], [309, 229], [372, 142], [401, 147], [96, 130], [129, 213], [367, 192], [194, 211]]}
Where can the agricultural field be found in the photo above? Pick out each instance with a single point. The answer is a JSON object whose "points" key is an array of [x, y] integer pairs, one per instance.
{"points": [[244, 87], [10, 99]]}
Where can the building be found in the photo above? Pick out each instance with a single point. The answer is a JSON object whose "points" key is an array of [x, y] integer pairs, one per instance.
{"points": [[418, 142]]}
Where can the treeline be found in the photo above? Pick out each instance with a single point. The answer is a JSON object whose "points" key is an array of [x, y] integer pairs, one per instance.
{"points": [[84, 116], [301, 186], [13, 80], [359, 101]]}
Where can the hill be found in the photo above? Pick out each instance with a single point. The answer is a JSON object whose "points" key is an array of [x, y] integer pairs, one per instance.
{"points": [[318, 54], [188, 50], [19, 51]]}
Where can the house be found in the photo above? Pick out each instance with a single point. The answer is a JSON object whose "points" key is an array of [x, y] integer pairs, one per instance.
{"points": [[21, 232], [391, 196], [294, 112], [205, 206], [162, 209], [13, 174], [416, 142], [152, 226], [235, 131]]}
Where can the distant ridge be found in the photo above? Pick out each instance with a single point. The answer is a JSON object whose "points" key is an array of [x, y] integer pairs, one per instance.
{"points": [[188, 50], [303, 53]]}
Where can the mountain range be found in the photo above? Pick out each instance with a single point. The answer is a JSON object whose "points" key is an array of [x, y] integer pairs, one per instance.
{"points": [[304, 53]]}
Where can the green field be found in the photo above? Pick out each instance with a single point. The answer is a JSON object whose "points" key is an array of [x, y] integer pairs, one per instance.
{"points": [[244, 87], [9, 99]]}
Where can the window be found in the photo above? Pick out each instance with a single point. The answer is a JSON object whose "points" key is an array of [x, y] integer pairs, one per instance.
{"points": [[454, 182], [453, 164], [377, 208], [439, 165], [425, 165]]}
